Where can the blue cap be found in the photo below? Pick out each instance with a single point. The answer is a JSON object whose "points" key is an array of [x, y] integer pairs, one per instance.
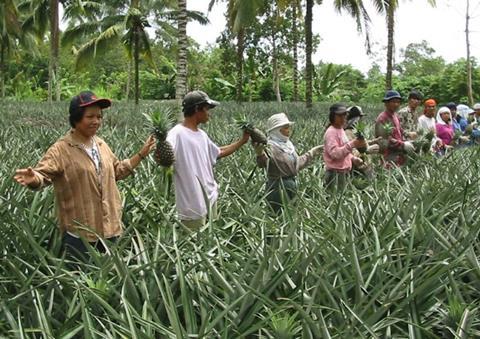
{"points": [[391, 94]]}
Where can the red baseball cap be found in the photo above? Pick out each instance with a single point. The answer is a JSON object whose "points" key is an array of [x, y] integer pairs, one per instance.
{"points": [[88, 98]]}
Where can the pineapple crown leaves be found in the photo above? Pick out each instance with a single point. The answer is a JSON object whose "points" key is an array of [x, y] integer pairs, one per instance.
{"points": [[242, 121], [161, 122], [388, 127], [360, 128]]}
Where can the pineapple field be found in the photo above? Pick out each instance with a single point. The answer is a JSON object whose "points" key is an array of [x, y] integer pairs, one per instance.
{"points": [[398, 258]]}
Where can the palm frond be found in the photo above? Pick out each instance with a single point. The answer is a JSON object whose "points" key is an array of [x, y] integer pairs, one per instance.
{"points": [[97, 45]]}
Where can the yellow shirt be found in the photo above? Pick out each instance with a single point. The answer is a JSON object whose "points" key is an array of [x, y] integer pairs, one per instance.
{"points": [[88, 202]]}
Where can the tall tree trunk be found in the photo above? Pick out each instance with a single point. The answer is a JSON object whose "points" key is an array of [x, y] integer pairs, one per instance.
{"points": [[181, 80], [469, 62], [129, 80], [2, 69], [240, 48], [136, 61], [390, 45], [295, 51], [308, 53], [276, 76], [53, 69]]}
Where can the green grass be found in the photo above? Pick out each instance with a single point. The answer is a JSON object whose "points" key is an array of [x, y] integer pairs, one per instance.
{"points": [[398, 259]]}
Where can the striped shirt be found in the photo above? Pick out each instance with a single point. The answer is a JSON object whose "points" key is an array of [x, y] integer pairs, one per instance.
{"points": [[88, 201]]}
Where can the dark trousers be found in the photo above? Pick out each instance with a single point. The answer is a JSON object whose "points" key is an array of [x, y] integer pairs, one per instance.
{"points": [[335, 181], [76, 250], [279, 191]]}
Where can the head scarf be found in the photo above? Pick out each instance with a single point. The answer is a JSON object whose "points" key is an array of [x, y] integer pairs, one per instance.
{"points": [[439, 115], [276, 138], [464, 111], [429, 102]]}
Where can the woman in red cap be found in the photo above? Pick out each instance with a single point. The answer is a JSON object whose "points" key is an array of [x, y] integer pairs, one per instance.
{"points": [[84, 172]]}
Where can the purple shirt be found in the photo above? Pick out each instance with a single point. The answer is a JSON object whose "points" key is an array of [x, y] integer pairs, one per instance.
{"points": [[445, 132]]}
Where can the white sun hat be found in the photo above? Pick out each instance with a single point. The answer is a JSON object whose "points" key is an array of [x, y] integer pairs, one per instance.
{"points": [[278, 120], [464, 111]]}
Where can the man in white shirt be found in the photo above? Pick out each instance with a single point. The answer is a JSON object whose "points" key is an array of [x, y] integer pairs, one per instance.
{"points": [[196, 191], [426, 122]]}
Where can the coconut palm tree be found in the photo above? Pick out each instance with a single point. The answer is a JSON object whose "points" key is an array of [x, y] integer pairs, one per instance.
{"points": [[295, 13], [181, 80], [122, 20], [10, 29], [44, 16], [469, 61], [240, 14], [389, 7], [354, 8], [182, 17]]}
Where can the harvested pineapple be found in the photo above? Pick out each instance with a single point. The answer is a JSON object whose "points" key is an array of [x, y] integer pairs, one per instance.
{"points": [[256, 135], [161, 123], [360, 135]]}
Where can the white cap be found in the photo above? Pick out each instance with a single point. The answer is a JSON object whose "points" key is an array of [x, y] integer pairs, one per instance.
{"points": [[464, 111], [278, 120], [476, 106]]}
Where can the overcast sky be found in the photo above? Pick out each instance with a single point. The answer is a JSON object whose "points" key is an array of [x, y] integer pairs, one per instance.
{"points": [[442, 26]]}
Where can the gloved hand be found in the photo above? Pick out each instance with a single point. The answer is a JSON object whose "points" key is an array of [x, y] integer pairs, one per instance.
{"points": [[359, 143], [316, 151], [412, 135], [373, 149], [408, 147], [259, 148], [357, 162]]}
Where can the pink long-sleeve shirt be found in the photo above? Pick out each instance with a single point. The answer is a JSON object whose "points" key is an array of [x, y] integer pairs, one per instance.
{"points": [[337, 152], [445, 132]]}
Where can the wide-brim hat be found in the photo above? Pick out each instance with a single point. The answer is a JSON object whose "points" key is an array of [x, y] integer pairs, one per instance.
{"points": [[278, 120]]}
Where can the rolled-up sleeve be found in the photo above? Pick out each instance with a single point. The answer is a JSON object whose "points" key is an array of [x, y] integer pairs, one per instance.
{"points": [[122, 168], [304, 160], [48, 168]]}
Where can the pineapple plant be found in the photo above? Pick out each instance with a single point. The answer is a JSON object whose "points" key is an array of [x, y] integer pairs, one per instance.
{"points": [[256, 135], [161, 123], [423, 143], [388, 128], [360, 134]]}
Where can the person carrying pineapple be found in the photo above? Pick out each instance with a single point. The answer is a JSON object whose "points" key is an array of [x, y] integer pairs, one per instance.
{"points": [[195, 154], [84, 172], [427, 130], [338, 150], [355, 128], [281, 161], [394, 146]]}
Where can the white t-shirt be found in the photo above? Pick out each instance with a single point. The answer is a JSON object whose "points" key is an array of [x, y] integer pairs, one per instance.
{"points": [[428, 124], [94, 154], [195, 156], [425, 123]]}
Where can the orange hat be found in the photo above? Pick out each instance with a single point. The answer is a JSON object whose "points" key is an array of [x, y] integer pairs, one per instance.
{"points": [[430, 102]]}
